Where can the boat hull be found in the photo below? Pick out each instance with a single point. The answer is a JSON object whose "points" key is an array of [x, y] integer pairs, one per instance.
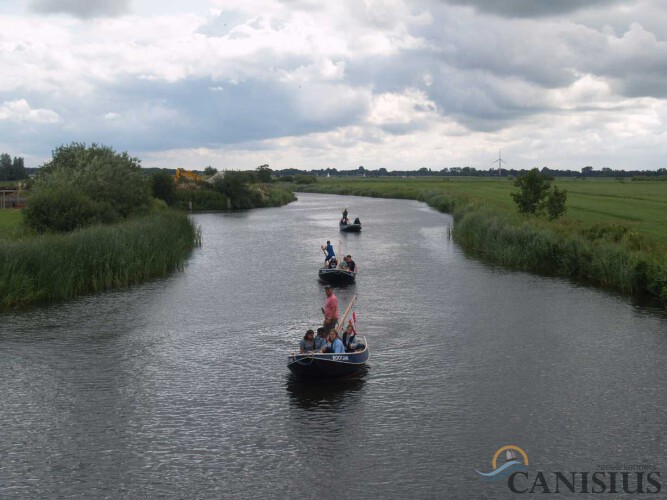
{"points": [[328, 366], [337, 276], [350, 228]]}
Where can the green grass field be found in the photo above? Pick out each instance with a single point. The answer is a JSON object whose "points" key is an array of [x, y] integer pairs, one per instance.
{"points": [[614, 233], [639, 205], [10, 222]]}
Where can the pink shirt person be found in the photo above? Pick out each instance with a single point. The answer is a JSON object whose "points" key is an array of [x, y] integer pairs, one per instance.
{"points": [[330, 309]]}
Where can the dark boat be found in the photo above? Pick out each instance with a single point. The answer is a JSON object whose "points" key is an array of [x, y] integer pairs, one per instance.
{"points": [[337, 276], [350, 228], [317, 366]]}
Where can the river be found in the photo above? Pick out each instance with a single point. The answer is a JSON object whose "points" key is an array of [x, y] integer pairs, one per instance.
{"points": [[179, 387]]}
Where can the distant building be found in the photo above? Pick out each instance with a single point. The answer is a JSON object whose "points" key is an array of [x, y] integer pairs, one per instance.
{"points": [[218, 175]]}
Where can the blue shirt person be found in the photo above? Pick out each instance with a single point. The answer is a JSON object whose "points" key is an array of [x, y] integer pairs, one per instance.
{"points": [[328, 252], [320, 340], [335, 345]]}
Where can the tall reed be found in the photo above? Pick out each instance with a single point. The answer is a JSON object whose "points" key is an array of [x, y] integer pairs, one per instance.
{"points": [[61, 266]]}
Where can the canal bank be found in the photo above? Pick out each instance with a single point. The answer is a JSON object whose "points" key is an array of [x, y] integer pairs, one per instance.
{"points": [[606, 255]]}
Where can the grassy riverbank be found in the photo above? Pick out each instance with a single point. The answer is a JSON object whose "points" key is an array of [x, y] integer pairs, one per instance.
{"points": [[255, 196], [614, 233], [61, 266]]}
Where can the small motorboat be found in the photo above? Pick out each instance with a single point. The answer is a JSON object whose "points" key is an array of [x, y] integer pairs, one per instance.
{"points": [[317, 366], [350, 228], [337, 276]]}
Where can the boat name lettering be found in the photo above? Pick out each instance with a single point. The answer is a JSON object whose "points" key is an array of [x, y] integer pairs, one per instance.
{"points": [[341, 358]]}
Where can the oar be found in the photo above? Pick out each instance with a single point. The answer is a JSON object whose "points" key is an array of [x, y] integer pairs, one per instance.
{"points": [[340, 323], [340, 245]]}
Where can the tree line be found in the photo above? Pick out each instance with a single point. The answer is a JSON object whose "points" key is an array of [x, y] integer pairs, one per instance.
{"points": [[587, 171], [12, 169]]}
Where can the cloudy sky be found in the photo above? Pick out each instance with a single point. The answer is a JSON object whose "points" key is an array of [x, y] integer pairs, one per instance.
{"points": [[314, 84]]}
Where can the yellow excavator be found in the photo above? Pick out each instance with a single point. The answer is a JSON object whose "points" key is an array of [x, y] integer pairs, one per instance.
{"points": [[185, 175]]}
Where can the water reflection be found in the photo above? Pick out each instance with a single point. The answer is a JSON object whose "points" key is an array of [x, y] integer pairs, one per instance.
{"points": [[324, 394]]}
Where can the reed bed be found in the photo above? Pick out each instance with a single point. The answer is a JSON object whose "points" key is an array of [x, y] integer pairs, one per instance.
{"points": [[61, 266], [605, 254]]}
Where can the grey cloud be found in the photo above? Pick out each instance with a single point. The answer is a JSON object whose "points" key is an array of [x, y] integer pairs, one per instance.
{"points": [[533, 8], [84, 9], [195, 116]]}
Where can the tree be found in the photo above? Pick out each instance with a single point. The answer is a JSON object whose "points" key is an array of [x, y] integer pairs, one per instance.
{"points": [[5, 166], [236, 187], [109, 186], [164, 187], [210, 171], [555, 203], [18, 169], [263, 173], [535, 195]]}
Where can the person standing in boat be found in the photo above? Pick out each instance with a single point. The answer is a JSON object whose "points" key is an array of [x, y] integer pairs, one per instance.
{"points": [[330, 309], [328, 253], [345, 221]]}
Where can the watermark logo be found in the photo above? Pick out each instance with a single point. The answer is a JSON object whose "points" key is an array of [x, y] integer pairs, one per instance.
{"points": [[511, 462], [515, 460]]}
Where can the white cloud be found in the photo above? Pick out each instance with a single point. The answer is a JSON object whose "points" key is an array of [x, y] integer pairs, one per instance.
{"points": [[341, 82], [20, 111]]}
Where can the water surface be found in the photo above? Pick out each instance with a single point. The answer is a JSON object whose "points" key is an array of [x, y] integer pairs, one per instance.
{"points": [[179, 387]]}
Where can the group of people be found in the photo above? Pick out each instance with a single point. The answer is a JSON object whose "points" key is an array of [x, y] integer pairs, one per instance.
{"points": [[331, 262], [327, 339], [346, 221]]}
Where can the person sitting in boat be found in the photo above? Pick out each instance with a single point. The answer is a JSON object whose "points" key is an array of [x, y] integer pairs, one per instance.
{"points": [[328, 253], [350, 339], [333, 263], [351, 265], [335, 345], [320, 339], [349, 335], [307, 344], [357, 221]]}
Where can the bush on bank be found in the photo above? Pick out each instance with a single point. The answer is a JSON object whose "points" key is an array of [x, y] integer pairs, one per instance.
{"points": [[84, 185], [61, 266], [251, 196], [605, 254]]}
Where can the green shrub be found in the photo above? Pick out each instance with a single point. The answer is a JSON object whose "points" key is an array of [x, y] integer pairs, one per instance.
{"points": [[305, 179], [102, 184], [201, 199], [64, 208], [235, 185]]}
